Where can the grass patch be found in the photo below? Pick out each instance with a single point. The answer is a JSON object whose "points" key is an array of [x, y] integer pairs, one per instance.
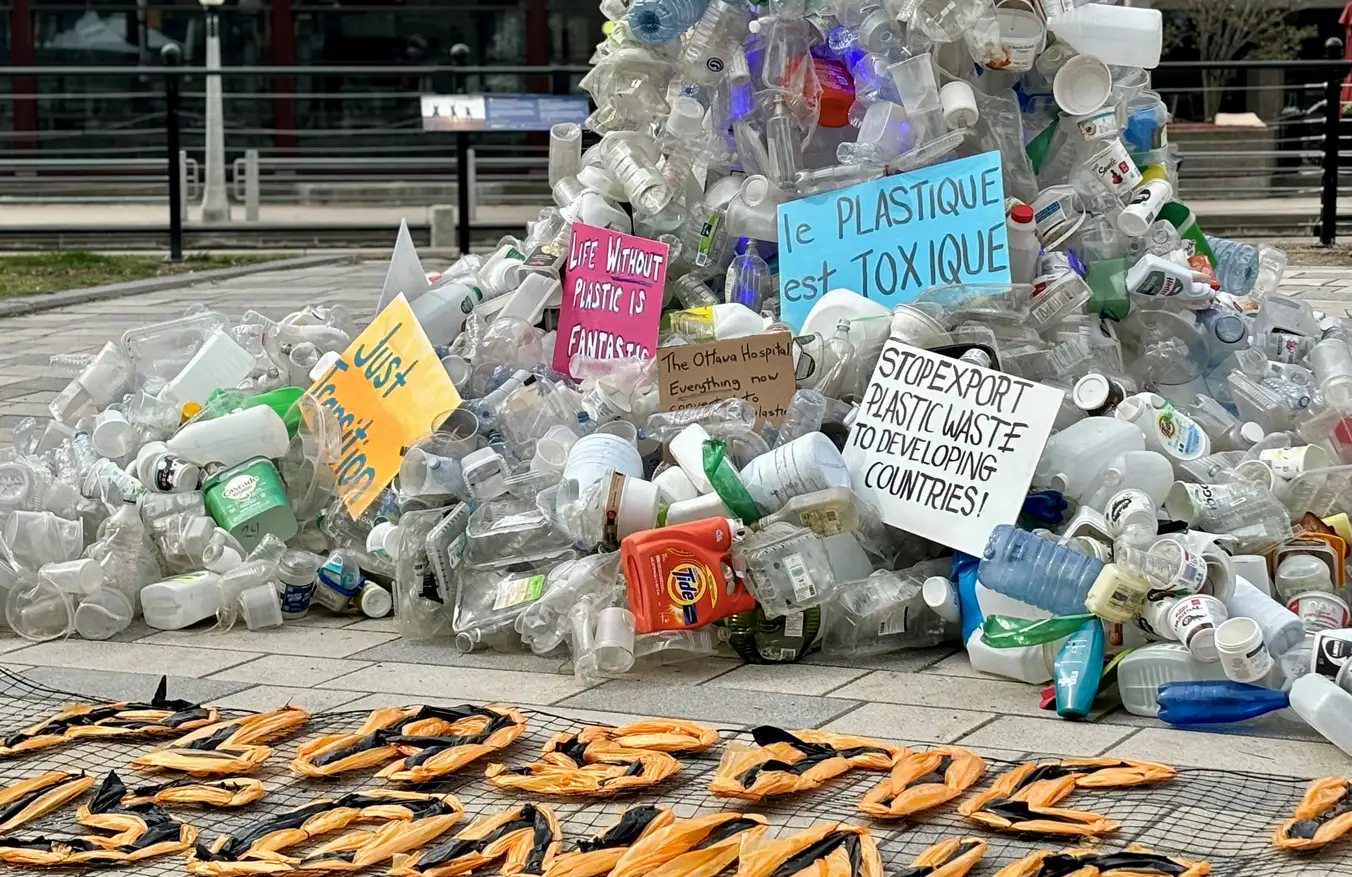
{"points": [[45, 273]]}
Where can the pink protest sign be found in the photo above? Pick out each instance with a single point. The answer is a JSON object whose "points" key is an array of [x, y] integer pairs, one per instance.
{"points": [[612, 296]]}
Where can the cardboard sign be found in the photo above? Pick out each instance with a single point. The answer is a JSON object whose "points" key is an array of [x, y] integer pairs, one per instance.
{"points": [[387, 389], [946, 449], [758, 369], [612, 296], [891, 239]]}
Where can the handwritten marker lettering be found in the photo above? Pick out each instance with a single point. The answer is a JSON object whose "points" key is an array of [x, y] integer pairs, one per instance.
{"points": [[891, 239]]}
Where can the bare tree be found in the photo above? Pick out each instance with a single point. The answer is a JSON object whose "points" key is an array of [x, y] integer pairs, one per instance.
{"points": [[1231, 30]]}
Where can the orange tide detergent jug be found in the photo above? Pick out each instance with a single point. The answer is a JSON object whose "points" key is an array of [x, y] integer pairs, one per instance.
{"points": [[677, 577]]}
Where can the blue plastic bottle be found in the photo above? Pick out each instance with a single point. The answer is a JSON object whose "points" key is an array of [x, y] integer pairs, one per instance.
{"points": [[1213, 703], [1077, 669], [661, 21], [1037, 571]]}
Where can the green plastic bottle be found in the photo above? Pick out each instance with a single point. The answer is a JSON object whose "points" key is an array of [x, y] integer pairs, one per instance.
{"points": [[784, 640], [282, 400]]}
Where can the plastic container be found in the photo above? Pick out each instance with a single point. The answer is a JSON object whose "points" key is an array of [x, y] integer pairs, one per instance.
{"points": [[261, 607], [103, 614], [374, 601], [1301, 573], [806, 464], [1077, 669], [1073, 458], [1243, 655], [1141, 673], [249, 501], [1211, 703], [1194, 621], [296, 582], [1122, 36], [1319, 610], [1325, 707], [1145, 207], [1167, 430], [1024, 246], [1031, 664], [680, 577], [219, 362], [233, 438], [1037, 571], [182, 601]]}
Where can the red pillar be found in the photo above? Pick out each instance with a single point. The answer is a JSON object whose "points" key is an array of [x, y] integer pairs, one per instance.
{"points": [[21, 55], [282, 48]]}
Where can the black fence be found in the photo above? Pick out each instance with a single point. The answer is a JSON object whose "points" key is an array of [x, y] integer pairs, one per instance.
{"points": [[353, 134]]}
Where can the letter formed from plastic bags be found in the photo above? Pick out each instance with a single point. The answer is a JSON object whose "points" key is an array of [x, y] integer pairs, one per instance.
{"points": [[472, 733], [227, 792], [233, 746], [921, 781], [953, 857], [1134, 861], [1024, 799], [37, 796], [702, 845], [597, 856], [1323, 815], [405, 821], [526, 838], [135, 833], [161, 717], [782, 763], [570, 767], [833, 848]]}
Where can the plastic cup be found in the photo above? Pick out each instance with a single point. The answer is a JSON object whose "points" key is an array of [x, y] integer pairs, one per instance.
{"points": [[459, 435], [1098, 125], [614, 643], [1320, 610], [1290, 462], [1130, 508], [1082, 85], [261, 607], [40, 538], [113, 436], [622, 429], [1114, 169], [1194, 620], [83, 576], [103, 614], [38, 610]]}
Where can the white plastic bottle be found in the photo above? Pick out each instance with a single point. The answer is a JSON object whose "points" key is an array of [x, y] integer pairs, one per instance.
{"points": [[1031, 664], [1166, 429], [1325, 707], [176, 603], [1023, 244], [1074, 456], [232, 439], [1157, 276], [1281, 627], [442, 311]]}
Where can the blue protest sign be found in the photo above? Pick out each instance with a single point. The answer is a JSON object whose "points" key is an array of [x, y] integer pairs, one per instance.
{"points": [[891, 239]]}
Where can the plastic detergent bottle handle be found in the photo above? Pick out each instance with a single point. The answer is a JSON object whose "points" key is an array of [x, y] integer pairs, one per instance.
{"points": [[964, 573], [1209, 703]]}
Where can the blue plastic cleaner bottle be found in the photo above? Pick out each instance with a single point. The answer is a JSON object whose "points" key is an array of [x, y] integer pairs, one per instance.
{"points": [[1077, 670], [661, 21], [1214, 703], [1037, 571]]}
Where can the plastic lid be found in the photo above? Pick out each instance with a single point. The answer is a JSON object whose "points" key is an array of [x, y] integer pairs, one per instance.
{"points": [[189, 410], [1203, 645], [1238, 635], [103, 614], [1090, 391], [375, 601], [1252, 432], [1022, 214]]}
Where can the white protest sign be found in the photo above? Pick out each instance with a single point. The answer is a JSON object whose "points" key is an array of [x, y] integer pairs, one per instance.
{"points": [[946, 449]]}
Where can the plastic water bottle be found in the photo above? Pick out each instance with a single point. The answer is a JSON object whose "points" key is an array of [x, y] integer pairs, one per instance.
{"points": [[1210, 703], [661, 21], [1037, 571], [1236, 264]]}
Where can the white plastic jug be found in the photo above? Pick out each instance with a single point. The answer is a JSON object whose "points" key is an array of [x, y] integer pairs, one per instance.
{"points": [[1073, 458], [1031, 664], [184, 600], [1142, 470], [232, 439], [1124, 36], [1326, 707], [1141, 673]]}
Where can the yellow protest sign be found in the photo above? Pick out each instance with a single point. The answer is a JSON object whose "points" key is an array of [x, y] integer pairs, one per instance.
{"points": [[387, 389]]}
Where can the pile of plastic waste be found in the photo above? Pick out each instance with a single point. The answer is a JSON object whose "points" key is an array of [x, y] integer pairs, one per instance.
{"points": [[1184, 537]]}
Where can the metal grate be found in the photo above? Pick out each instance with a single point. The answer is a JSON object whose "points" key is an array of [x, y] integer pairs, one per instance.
{"points": [[1223, 817]]}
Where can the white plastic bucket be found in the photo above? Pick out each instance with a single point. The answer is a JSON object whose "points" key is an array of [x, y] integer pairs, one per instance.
{"points": [[1022, 34]]}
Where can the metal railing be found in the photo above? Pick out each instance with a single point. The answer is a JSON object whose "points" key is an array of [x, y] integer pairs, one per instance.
{"points": [[1304, 150]]}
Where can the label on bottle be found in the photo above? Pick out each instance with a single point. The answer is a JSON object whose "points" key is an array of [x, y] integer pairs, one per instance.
{"points": [[803, 588], [793, 624], [778, 654], [1180, 436], [1286, 347], [514, 592], [1160, 283], [610, 529], [894, 624], [169, 473], [295, 596], [706, 239], [823, 521]]}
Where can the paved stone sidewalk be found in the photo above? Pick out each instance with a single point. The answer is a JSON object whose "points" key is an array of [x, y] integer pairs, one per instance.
{"points": [[324, 662]]}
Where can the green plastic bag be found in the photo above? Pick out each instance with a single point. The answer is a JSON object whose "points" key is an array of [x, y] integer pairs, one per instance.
{"points": [[723, 476], [1008, 632]]}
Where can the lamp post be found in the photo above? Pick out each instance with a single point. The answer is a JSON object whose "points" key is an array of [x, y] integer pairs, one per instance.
{"points": [[215, 201]]}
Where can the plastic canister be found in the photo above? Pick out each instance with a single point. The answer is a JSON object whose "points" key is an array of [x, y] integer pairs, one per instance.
{"points": [[630, 507], [184, 600], [162, 472], [1244, 655], [1282, 628], [810, 462], [374, 601], [592, 456], [679, 576], [249, 501], [296, 582], [1194, 620]]}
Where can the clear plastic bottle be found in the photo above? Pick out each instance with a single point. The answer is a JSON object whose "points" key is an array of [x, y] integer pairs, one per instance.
{"points": [[1037, 571], [565, 146], [748, 277], [782, 142], [806, 411], [1236, 264], [882, 613], [661, 21]]}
